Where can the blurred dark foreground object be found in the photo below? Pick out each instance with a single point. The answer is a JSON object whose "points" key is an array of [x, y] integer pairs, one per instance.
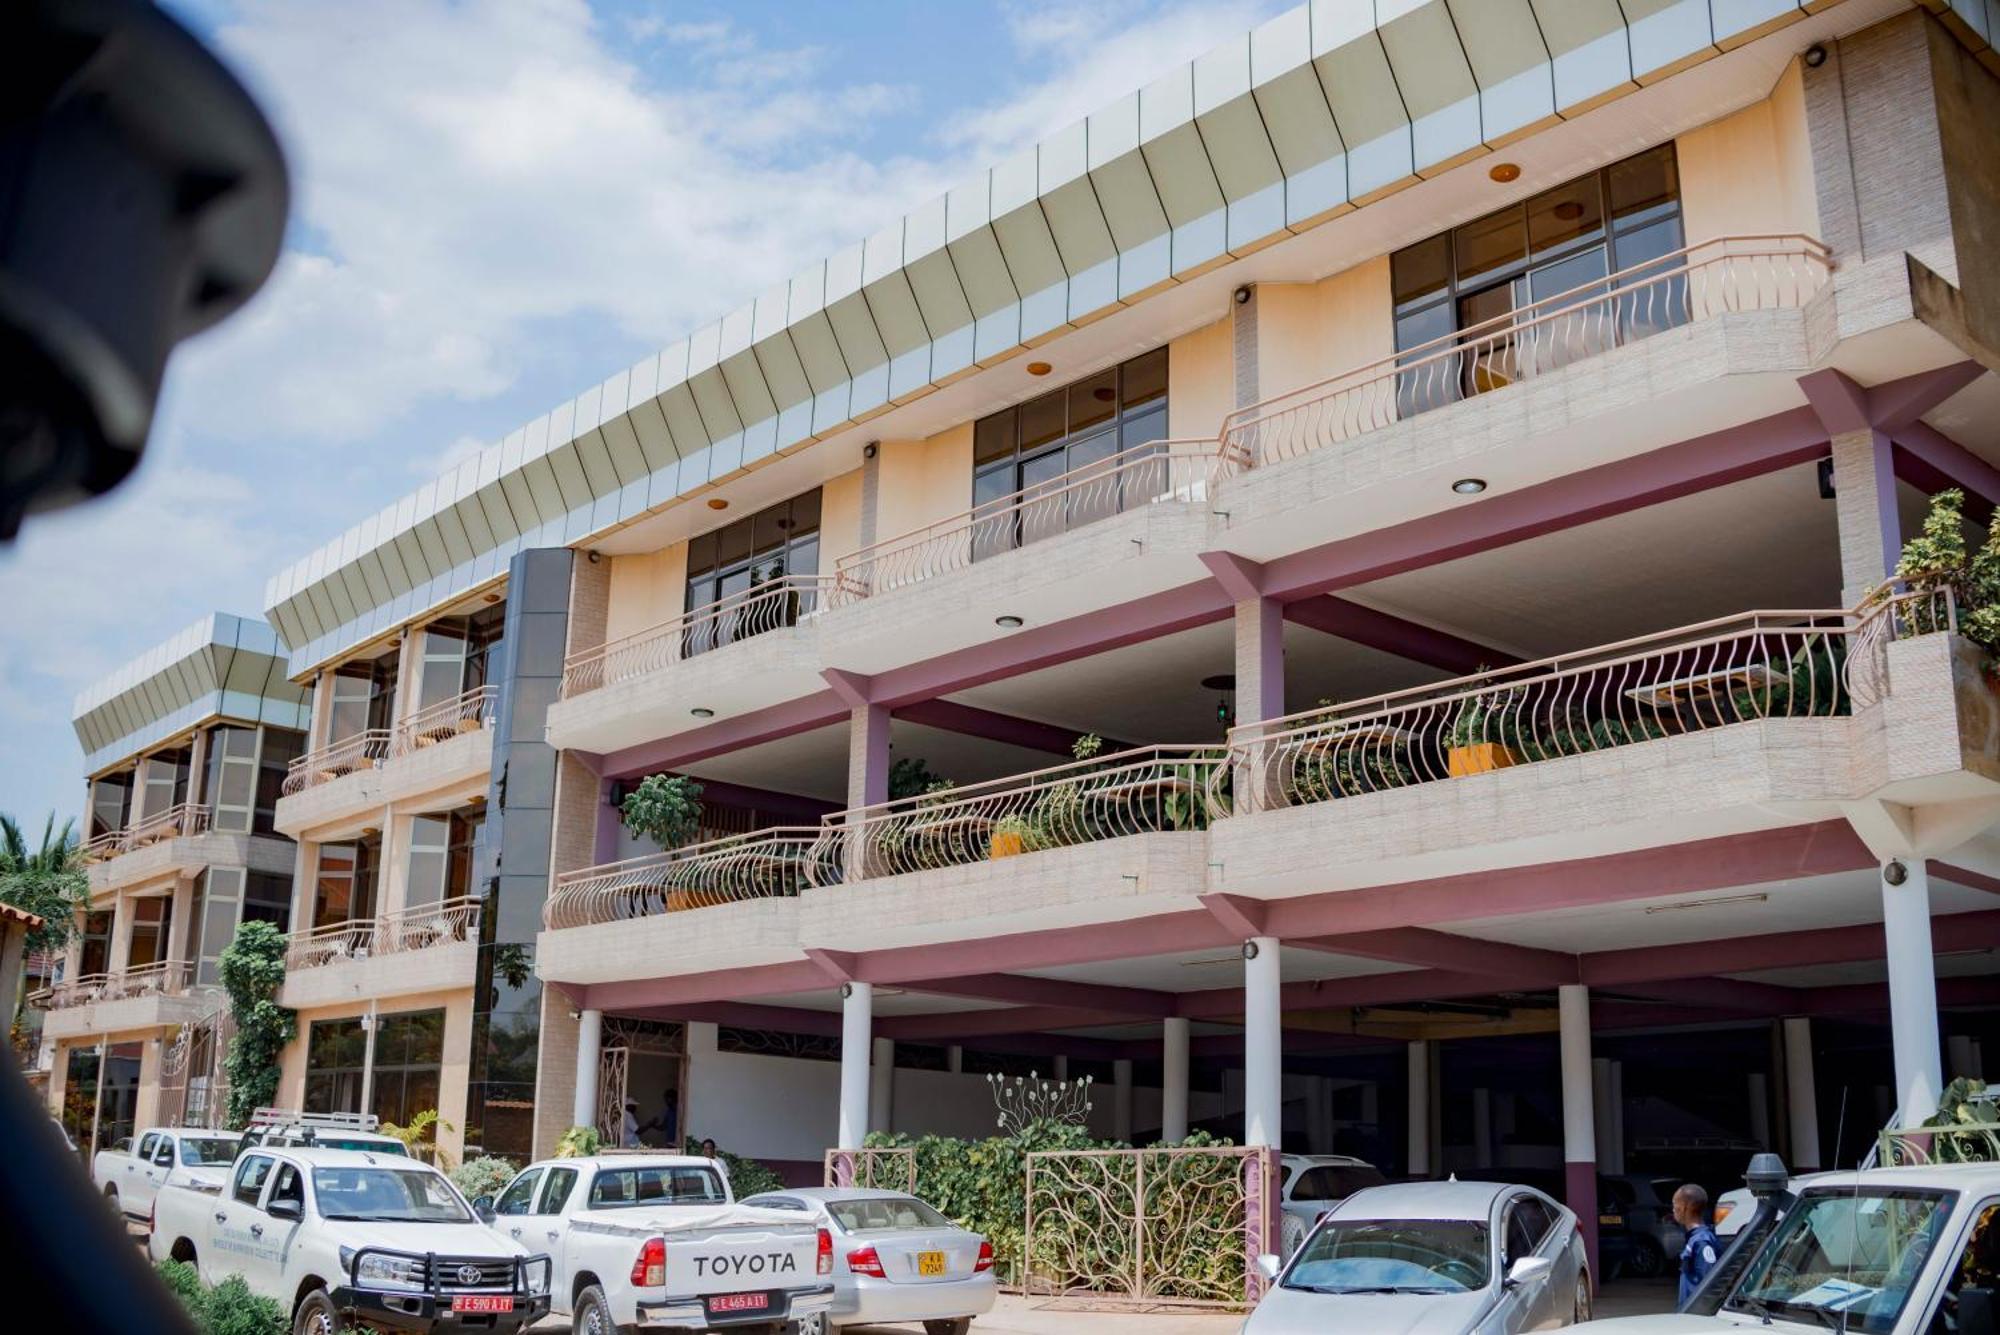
{"points": [[66, 1251], [142, 199]]}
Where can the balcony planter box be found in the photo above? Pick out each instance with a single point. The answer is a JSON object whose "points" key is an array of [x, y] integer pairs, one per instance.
{"points": [[1479, 758], [1006, 844]]}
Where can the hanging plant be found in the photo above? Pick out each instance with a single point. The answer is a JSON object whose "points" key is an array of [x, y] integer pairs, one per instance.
{"points": [[665, 808]]}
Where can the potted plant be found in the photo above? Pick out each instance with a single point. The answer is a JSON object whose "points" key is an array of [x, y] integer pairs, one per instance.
{"points": [[1479, 737], [666, 808], [1011, 836], [1937, 559]]}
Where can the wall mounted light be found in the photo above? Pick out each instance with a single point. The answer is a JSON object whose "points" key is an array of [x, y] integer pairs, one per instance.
{"points": [[1243, 295], [1503, 172], [871, 449], [1815, 56], [1039, 368]]}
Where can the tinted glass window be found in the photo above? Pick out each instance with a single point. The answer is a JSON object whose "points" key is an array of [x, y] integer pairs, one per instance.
{"points": [[250, 1175], [615, 1188], [889, 1212], [520, 1194], [555, 1194]]}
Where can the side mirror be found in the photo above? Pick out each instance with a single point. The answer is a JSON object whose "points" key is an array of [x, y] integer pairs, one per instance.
{"points": [[483, 1207], [1268, 1265], [1978, 1312], [1527, 1270], [285, 1210]]}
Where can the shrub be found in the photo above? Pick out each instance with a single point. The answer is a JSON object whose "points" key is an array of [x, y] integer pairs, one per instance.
{"points": [[230, 1308], [665, 808], [578, 1141], [483, 1176], [747, 1177]]}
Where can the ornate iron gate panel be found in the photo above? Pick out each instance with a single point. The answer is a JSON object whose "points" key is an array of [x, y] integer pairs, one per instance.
{"points": [[882, 1167]]}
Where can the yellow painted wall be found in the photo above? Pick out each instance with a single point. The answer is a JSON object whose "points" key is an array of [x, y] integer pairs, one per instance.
{"points": [[646, 589], [1201, 381], [923, 481], [839, 519], [1751, 173], [1307, 332], [454, 1069]]}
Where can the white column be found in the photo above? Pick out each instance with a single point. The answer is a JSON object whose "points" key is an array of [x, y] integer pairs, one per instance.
{"points": [[369, 1024], [882, 1086], [1800, 1095], [1173, 1079], [1959, 1047], [1579, 1124], [857, 1022], [1913, 1022], [1600, 1109], [1420, 1109], [1760, 1109], [589, 1046], [1482, 1127], [1263, 1055], [1121, 1099]]}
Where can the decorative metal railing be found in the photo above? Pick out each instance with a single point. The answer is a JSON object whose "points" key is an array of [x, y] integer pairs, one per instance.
{"points": [[362, 750], [1160, 470], [1133, 792], [1139, 1227], [165, 978], [763, 864], [769, 606], [1730, 273], [184, 818], [886, 1167], [418, 927], [1755, 665], [468, 712], [1886, 615]]}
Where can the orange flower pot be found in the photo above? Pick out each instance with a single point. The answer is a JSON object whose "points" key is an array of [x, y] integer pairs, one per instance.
{"points": [[1479, 758], [1006, 844]]}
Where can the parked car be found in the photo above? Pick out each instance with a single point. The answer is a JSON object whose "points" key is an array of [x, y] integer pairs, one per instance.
{"points": [[329, 1131], [130, 1173], [650, 1240], [895, 1259], [349, 1236], [1635, 1224], [1314, 1184], [1893, 1251], [1734, 1208], [1469, 1257]]}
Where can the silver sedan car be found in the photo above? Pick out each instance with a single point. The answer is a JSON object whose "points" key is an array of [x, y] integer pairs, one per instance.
{"points": [[1470, 1258], [895, 1259]]}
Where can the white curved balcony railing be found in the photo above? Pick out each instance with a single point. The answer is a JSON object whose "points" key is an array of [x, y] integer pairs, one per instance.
{"points": [[418, 927], [1152, 788], [773, 605], [1730, 273], [166, 978], [362, 750], [764, 864], [1755, 665], [1160, 470], [184, 818], [468, 712]]}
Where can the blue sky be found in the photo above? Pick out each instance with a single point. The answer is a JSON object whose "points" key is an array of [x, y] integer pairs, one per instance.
{"points": [[496, 205]]}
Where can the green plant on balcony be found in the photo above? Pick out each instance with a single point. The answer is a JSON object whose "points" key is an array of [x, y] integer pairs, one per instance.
{"points": [[911, 776], [665, 808], [1810, 686], [1485, 733], [1014, 835], [1939, 559]]}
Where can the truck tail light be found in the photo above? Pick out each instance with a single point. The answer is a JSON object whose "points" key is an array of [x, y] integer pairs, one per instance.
{"points": [[650, 1270], [825, 1252], [864, 1261], [985, 1261]]}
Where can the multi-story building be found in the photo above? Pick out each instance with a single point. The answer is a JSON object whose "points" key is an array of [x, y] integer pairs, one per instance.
{"points": [[185, 748], [1264, 597]]}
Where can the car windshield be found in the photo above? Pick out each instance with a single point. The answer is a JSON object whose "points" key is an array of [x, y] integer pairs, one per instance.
{"points": [[1392, 1256], [618, 1188], [400, 1194], [1845, 1258], [197, 1150], [885, 1212]]}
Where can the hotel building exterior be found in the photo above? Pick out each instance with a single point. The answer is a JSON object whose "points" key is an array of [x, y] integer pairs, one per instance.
{"points": [[1333, 595]]}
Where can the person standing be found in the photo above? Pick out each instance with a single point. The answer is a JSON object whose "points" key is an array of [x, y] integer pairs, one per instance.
{"points": [[628, 1129], [1699, 1253]]}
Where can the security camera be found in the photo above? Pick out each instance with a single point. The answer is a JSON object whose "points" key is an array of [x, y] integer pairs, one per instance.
{"points": [[142, 199], [1243, 295]]}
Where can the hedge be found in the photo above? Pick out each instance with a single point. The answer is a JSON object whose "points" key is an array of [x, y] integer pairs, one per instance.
{"points": [[228, 1308]]}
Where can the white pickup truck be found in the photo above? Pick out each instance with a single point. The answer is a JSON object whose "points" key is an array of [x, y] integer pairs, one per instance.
{"points": [[130, 1176], [1894, 1251], [350, 1237], [659, 1242]]}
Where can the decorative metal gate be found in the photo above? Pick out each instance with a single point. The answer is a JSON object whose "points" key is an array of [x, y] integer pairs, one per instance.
{"points": [[884, 1166], [1151, 1228], [620, 1039], [193, 1088]]}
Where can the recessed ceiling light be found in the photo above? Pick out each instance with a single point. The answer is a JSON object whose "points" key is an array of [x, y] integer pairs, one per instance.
{"points": [[1569, 210], [1039, 368], [1504, 172], [1469, 486], [717, 503], [1008, 622], [492, 597], [702, 711]]}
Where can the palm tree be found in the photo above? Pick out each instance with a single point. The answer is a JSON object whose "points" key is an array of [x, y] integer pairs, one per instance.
{"points": [[57, 853], [48, 881]]}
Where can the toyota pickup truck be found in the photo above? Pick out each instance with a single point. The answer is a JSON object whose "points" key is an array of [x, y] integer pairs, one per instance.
{"points": [[1894, 1251], [130, 1176], [352, 1238], [659, 1242]]}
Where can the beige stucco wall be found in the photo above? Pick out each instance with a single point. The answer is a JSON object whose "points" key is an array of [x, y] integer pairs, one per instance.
{"points": [[1751, 173], [452, 1075], [923, 481], [839, 519], [1307, 332], [646, 589], [1201, 382]]}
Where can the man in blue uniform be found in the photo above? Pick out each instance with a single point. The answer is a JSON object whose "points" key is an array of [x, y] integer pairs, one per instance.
{"points": [[1698, 1255]]}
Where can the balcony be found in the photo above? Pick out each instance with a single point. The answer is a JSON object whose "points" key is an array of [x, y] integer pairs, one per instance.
{"points": [[150, 996], [423, 948], [180, 841], [439, 746]]}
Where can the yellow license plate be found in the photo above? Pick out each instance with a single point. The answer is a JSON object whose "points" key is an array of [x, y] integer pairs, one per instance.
{"points": [[1611, 1219], [930, 1263]]}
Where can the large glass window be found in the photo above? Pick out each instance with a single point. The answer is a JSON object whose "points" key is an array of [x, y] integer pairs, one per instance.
{"points": [[363, 697], [336, 1050], [458, 655], [440, 857], [1038, 447], [230, 785], [409, 1054], [163, 782], [281, 747], [1565, 240], [95, 956], [345, 890], [267, 897], [725, 563], [110, 804], [152, 924]]}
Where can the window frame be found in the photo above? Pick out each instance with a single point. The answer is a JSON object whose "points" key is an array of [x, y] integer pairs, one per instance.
{"points": [[236, 1183]]}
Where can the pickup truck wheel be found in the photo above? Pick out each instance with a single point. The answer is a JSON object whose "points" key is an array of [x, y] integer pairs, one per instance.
{"points": [[956, 1326], [315, 1315], [593, 1314]]}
